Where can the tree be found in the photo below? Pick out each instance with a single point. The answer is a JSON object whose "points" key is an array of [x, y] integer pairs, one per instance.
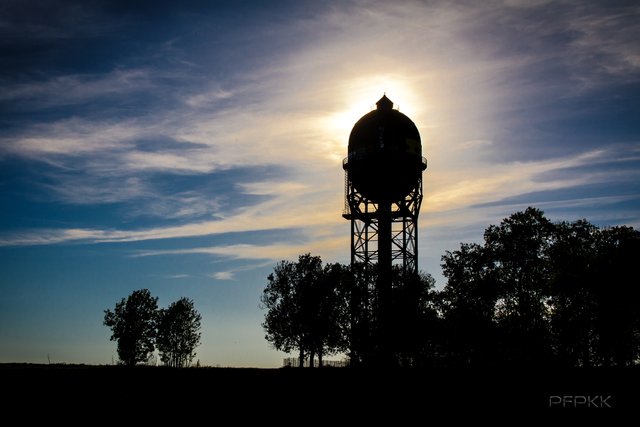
{"points": [[573, 283], [178, 333], [617, 297], [412, 313], [467, 306], [541, 292], [303, 307], [414, 318], [328, 328], [133, 325], [518, 263], [358, 288], [320, 310], [595, 301], [495, 302], [281, 322]]}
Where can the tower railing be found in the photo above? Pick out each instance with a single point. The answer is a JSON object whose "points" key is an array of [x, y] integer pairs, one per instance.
{"points": [[362, 153]]}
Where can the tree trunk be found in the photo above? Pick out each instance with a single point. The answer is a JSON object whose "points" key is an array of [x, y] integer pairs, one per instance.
{"points": [[312, 356], [320, 358], [301, 357]]}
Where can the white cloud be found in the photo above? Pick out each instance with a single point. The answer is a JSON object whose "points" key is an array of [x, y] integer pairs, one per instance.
{"points": [[183, 161], [223, 275], [296, 113], [606, 46], [72, 137], [177, 276], [91, 190], [72, 89], [208, 99], [187, 204]]}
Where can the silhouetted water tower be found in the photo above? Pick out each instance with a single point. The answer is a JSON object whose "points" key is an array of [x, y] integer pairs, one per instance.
{"points": [[383, 193]]}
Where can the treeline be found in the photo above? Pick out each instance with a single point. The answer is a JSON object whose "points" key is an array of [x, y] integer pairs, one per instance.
{"points": [[533, 293], [139, 326]]}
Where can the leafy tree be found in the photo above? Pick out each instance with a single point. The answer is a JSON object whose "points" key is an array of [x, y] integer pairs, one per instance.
{"points": [[573, 283], [412, 312], [281, 322], [414, 318], [539, 292], [495, 302], [133, 325], [303, 307], [617, 297], [178, 333], [534, 292], [467, 306], [358, 288], [595, 302], [329, 328], [518, 263]]}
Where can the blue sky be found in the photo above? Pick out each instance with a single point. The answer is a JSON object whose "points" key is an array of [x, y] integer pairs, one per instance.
{"points": [[186, 147]]}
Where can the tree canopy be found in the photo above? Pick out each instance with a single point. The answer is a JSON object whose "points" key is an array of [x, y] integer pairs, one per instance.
{"points": [[318, 310], [538, 292], [178, 333], [133, 324], [534, 292], [304, 308], [139, 326]]}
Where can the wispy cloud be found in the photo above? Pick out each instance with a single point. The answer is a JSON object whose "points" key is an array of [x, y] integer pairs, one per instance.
{"points": [[208, 98], [70, 89], [296, 111], [223, 275], [72, 137], [176, 276], [231, 273], [82, 189], [273, 251], [477, 182], [605, 46]]}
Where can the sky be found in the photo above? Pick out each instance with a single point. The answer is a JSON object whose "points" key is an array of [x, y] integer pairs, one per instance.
{"points": [[187, 147]]}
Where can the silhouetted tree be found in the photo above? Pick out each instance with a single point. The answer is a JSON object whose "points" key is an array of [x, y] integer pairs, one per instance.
{"points": [[618, 297], [302, 304], [495, 302], [518, 255], [467, 305], [359, 289], [329, 326], [573, 287], [178, 333], [133, 326], [535, 292], [539, 292], [414, 318], [412, 312], [281, 322]]}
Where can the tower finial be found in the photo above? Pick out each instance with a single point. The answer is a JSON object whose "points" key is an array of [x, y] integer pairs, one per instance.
{"points": [[384, 103]]}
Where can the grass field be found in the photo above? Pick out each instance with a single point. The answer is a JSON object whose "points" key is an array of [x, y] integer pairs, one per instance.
{"points": [[247, 392]]}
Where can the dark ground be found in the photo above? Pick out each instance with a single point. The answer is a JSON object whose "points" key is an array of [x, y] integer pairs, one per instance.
{"points": [[401, 397]]}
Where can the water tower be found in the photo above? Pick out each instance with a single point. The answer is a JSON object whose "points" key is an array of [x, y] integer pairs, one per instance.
{"points": [[383, 193]]}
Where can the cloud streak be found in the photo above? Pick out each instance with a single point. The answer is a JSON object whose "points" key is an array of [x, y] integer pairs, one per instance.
{"points": [[296, 111], [72, 89]]}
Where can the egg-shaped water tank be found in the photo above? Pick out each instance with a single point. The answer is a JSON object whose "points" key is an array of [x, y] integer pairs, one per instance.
{"points": [[384, 160]]}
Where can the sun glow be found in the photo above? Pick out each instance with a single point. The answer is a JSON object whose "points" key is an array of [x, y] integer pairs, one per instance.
{"points": [[359, 96], [356, 97]]}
